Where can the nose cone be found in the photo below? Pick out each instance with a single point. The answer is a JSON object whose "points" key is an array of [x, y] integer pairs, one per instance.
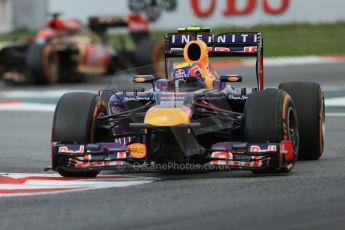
{"points": [[168, 116]]}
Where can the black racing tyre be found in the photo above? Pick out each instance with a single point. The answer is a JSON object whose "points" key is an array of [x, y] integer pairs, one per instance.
{"points": [[149, 58], [270, 116], [75, 122], [43, 64], [310, 107]]}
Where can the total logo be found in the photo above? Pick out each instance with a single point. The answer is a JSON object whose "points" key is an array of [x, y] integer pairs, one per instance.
{"points": [[205, 9]]}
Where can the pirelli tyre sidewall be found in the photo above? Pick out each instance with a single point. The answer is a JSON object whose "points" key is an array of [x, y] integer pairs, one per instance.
{"points": [[309, 100], [75, 121], [270, 116], [43, 64]]}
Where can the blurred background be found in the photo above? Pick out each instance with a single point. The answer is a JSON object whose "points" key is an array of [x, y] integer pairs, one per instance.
{"points": [[303, 40], [293, 27]]}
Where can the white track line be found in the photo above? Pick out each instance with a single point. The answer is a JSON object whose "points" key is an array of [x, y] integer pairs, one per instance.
{"points": [[23, 106], [335, 114], [287, 61], [35, 94], [336, 101], [23, 184]]}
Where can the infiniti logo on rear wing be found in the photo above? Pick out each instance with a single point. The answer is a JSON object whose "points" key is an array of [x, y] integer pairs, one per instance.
{"points": [[227, 39]]}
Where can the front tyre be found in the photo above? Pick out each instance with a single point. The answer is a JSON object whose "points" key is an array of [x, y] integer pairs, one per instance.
{"points": [[270, 116], [75, 121], [310, 107]]}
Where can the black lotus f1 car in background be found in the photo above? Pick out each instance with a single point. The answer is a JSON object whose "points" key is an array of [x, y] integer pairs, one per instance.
{"points": [[66, 50], [193, 116]]}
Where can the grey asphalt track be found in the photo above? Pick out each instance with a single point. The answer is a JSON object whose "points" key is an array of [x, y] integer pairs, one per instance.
{"points": [[311, 197]]}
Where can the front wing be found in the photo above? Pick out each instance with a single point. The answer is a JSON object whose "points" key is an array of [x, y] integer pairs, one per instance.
{"points": [[224, 155]]}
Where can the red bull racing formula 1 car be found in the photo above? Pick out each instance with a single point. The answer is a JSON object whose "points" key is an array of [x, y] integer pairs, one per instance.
{"points": [[194, 116]]}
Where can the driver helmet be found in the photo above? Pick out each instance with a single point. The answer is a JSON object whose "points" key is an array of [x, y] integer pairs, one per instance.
{"points": [[187, 73]]}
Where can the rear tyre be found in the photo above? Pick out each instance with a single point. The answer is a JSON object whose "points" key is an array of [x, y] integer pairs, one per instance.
{"points": [[269, 116], [149, 58], [43, 64], [310, 107], [75, 121]]}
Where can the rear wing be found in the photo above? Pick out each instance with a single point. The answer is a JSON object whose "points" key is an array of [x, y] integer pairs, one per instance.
{"points": [[243, 44], [222, 45]]}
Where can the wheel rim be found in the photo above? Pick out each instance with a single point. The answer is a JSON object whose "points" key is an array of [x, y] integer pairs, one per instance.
{"points": [[293, 130]]}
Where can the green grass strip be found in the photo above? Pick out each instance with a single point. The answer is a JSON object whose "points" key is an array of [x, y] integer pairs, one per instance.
{"points": [[279, 40]]}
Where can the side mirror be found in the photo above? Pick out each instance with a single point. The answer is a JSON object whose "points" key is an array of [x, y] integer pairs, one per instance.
{"points": [[231, 78], [144, 78]]}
